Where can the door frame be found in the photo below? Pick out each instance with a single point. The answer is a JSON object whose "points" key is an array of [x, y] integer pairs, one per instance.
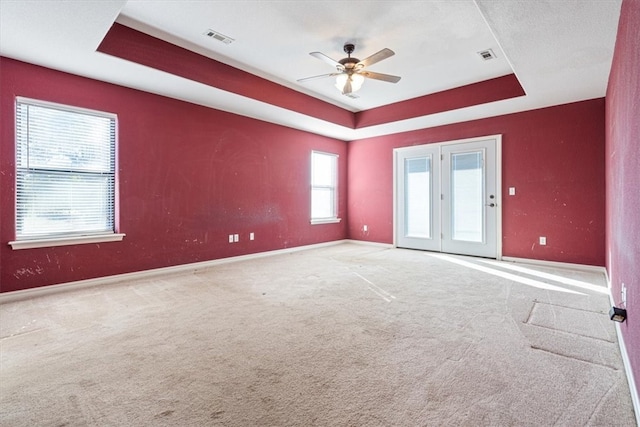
{"points": [[498, 140]]}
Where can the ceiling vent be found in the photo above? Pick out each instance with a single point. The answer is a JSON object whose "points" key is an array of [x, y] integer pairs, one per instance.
{"points": [[218, 36], [487, 54]]}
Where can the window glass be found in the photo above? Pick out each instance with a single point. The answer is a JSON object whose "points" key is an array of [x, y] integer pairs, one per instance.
{"points": [[324, 169], [65, 171]]}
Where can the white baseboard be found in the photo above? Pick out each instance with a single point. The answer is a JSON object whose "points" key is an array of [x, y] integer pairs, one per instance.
{"points": [[626, 362], [80, 284], [368, 243], [635, 398], [555, 264]]}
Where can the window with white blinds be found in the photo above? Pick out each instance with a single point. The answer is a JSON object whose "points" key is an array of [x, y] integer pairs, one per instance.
{"points": [[65, 171], [324, 181]]}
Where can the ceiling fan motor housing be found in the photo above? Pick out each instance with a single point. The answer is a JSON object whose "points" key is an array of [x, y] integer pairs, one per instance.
{"points": [[349, 62]]}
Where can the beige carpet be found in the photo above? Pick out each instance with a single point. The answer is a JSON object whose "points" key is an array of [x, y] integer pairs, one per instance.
{"points": [[348, 335]]}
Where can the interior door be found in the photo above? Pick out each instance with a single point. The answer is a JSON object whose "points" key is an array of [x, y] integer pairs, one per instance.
{"points": [[447, 197]]}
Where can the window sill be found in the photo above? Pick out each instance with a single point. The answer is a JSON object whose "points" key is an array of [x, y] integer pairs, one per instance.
{"points": [[325, 221], [64, 241]]}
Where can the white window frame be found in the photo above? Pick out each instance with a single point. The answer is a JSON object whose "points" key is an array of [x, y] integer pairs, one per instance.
{"points": [[333, 218], [71, 237]]}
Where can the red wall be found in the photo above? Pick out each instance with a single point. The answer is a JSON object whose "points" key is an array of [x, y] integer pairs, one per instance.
{"points": [[189, 176], [553, 156], [132, 45], [623, 175]]}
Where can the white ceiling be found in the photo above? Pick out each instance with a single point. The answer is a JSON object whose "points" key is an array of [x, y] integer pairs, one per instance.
{"points": [[560, 50]]}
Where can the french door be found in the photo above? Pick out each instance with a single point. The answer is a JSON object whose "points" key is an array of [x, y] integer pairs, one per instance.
{"points": [[448, 197]]}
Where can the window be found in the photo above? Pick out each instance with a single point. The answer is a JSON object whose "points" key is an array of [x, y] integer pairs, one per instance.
{"points": [[65, 175], [324, 183]]}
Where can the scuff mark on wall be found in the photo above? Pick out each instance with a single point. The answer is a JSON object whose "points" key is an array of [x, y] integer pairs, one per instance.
{"points": [[22, 272]]}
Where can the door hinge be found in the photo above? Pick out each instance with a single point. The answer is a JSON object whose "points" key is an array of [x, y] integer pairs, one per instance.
{"points": [[441, 156], [442, 197], [442, 235]]}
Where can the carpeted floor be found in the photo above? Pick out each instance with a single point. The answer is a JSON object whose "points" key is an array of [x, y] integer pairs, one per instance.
{"points": [[347, 335]]}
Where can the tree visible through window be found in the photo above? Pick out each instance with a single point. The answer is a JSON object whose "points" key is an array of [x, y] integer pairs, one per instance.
{"points": [[65, 171], [324, 179]]}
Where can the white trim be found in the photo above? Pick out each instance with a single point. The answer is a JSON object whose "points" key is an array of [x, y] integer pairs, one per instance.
{"points": [[335, 157], [65, 241], [556, 264], [325, 221], [394, 220], [635, 397], [65, 107], [369, 243], [80, 284], [498, 196]]}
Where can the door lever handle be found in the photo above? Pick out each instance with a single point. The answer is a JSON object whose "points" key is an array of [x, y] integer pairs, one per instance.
{"points": [[491, 205]]}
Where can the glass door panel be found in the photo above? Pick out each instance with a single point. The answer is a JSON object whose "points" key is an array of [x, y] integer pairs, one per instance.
{"points": [[467, 196], [417, 197]]}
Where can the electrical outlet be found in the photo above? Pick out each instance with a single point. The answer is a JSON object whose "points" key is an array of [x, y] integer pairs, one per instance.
{"points": [[236, 238], [365, 228], [252, 236], [512, 191], [543, 240], [230, 238]]}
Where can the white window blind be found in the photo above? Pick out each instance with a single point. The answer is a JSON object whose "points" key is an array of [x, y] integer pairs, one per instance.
{"points": [[324, 178], [65, 171]]}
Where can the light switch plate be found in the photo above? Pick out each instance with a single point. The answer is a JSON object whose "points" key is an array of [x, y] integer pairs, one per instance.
{"points": [[512, 191]]}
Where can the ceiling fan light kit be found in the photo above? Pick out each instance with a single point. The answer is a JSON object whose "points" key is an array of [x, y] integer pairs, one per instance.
{"points": [[350, 72], [349, 83]]}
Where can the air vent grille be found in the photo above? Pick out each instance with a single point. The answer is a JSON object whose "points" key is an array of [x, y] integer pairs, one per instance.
{"points": [[219, 36], [487, 54]]}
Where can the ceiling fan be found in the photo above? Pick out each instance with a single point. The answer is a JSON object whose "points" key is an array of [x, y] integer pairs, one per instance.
{"points": [[350, 72]]}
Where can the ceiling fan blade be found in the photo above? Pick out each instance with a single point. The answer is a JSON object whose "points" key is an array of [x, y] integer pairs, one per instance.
{"points": [[376, 57], [379, 76], [321, 76], [325, 58]]}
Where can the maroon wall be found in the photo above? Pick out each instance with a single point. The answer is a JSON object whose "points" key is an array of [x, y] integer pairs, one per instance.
{"points": [[623, 175], [553, 156], [189, 176]]}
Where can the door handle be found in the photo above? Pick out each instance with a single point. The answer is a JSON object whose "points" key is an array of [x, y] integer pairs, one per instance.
{"points": [[491, 205]]}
